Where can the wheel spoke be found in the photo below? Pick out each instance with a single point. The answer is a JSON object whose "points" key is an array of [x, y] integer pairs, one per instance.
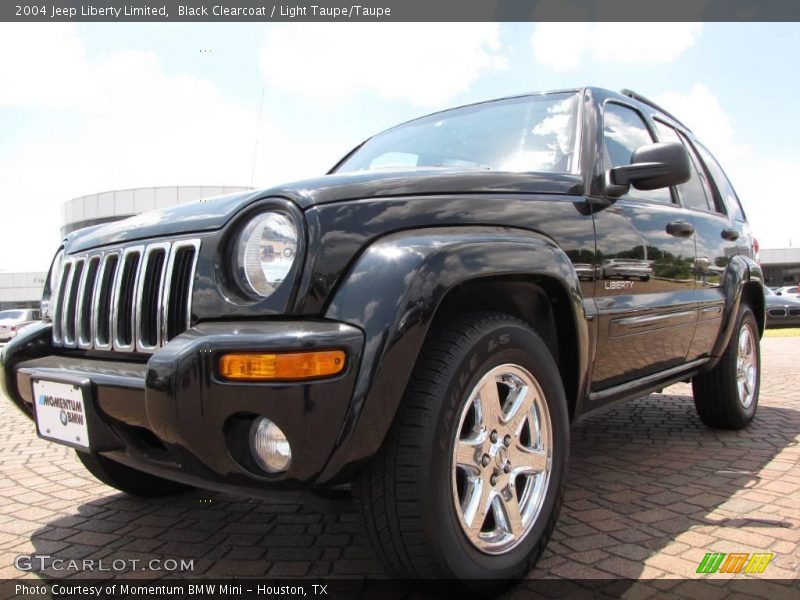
{"points": [[507, 513], [527, 460], [519, 408], [478, 505], [490, 411], [466, 454]]}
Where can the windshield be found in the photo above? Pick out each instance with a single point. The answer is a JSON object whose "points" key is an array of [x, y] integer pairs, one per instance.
{"points": [[531, 133], [10, 314]]}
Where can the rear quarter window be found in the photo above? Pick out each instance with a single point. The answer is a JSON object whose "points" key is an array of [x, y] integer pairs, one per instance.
{"points": [[722, 183]]}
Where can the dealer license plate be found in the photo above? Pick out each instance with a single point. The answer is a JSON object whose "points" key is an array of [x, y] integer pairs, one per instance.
{"points": [[61, 413]]}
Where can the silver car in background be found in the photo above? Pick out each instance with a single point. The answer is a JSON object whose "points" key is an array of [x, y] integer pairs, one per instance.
{"points": [[11, 321]]}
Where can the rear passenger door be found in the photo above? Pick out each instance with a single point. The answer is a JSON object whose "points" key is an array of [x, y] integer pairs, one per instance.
{"points": [[713, 250], [645, 265], [722, 233]]}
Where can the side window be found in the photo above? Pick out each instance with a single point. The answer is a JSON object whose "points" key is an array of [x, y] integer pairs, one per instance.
{"points": [[723, 184], [695, 193], [624, 131]]}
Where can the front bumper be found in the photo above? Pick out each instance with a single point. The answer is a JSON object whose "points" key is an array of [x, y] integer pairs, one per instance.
{"points": [[174, 417]]}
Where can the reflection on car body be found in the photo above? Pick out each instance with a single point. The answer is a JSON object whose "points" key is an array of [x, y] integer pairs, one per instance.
{"points": [[626, 268]]}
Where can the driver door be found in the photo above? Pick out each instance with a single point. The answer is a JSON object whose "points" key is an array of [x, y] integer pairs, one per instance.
{"points": [[645, 254]]}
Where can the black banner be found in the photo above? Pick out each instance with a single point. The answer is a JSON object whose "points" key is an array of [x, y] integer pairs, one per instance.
{"points": [[400, 10], [377, 589]]}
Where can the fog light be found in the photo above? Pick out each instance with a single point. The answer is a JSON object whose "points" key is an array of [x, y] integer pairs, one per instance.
{"points": [[269, 446]]}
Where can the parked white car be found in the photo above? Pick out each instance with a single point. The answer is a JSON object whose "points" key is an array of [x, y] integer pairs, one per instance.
{"points": [[11, 321]]}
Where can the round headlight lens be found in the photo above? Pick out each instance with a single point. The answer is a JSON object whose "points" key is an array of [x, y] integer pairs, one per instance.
{"points": [[265, 252]]}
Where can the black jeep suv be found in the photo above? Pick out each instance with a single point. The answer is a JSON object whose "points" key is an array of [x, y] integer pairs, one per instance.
{"points": [[422, 323]]}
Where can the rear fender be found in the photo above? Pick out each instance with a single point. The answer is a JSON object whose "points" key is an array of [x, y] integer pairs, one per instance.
{"points": [[742, 273]]}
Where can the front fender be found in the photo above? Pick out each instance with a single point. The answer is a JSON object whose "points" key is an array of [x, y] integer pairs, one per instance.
{"points": [[392, 293], [742, 271], [31, 342]]}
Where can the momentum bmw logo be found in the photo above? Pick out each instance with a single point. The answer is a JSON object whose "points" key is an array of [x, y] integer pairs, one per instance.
{"points": [[63, 417]]}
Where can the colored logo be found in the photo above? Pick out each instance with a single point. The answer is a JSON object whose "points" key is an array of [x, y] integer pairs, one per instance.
{"points": [[41, 399], [63, 417], [735, 562]]}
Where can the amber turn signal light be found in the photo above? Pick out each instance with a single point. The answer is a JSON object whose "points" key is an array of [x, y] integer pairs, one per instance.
{"points": [[288, 366]]}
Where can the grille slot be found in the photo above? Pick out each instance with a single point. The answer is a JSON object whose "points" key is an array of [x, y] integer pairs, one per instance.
{"points": [[102, 302], [128, 299], [70, 301], [123, 317], [85, 295], [58, 312], [151, 286], [181, 274]]}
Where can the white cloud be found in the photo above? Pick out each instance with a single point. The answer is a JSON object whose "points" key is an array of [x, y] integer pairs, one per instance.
{"points": [[567, 45], [425, 63], [701, 111], [43, 65], [117, 122], [772, 212]]}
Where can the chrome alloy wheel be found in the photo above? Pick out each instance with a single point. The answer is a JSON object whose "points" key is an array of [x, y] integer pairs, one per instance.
{"points": [[746, 367], [502, 458]]}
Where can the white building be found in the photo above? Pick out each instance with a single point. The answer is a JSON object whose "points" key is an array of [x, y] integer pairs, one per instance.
{"points": [[24, 290], [120, 204], [21, 290]]}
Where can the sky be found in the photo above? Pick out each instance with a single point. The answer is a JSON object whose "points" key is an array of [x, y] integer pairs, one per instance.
{"points": [[92, 107]]}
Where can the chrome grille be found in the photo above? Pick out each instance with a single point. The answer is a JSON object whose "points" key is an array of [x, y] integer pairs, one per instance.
{"points": [[131, 299]]}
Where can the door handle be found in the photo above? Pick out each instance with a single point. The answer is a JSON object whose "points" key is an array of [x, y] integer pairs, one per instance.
{"points": [[730, 234], [680, 228]]}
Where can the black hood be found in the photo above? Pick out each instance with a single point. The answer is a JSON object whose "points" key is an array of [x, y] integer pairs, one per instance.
{"points": [[215, 213]]}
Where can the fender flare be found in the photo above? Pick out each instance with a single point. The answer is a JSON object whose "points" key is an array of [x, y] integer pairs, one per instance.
{"points": [[741, 271], [392, 293]]}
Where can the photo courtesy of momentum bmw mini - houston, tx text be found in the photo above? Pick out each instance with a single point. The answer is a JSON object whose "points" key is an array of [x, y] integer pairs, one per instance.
{"points": [[426, 311]]}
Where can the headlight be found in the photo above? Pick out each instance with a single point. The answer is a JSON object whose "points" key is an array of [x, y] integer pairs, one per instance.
{"points": [[265, 252], [50, 288]]}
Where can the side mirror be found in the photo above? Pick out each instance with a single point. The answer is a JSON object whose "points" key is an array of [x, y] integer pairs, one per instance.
{"points": [[652, 166]]}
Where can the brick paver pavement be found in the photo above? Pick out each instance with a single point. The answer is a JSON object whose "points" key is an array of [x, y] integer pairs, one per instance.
{"points": [[650, 491]]}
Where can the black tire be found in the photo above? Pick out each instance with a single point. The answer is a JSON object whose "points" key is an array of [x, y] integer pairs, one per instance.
{"points": [[716, 392], [127, 480], [406, 492]]}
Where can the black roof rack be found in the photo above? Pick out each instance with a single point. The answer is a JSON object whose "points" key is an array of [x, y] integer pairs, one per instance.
{"points": [[644, 100]]}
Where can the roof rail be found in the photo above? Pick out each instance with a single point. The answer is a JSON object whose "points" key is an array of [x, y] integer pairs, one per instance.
{"points": [[644, 100]]}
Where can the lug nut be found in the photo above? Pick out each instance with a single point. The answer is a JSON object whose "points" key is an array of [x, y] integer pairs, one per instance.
{"points": [[485, 460], [507, 441], [493, 480], [507, 468], [493, 437]]}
